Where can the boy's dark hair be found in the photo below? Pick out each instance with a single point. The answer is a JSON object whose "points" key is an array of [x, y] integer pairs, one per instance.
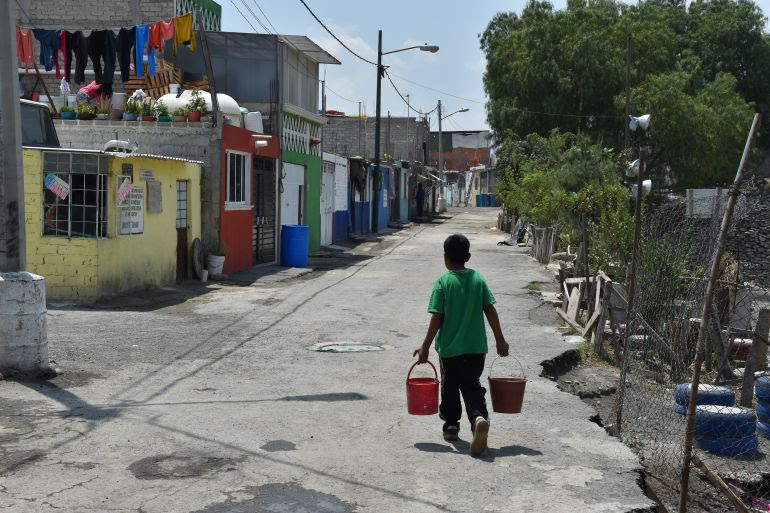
{"points": [[457, 248]]}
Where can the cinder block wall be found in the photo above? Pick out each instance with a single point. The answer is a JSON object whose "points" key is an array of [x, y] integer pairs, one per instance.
{"points": [[195, 143], [341, 136]]}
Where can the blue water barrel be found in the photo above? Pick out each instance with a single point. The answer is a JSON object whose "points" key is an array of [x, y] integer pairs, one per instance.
{"points": [[485, 200], [478, 200], [493, 200], [294, 245]]}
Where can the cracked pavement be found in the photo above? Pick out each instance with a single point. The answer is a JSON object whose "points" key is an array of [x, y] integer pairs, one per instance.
{"points": [[213, 403]]}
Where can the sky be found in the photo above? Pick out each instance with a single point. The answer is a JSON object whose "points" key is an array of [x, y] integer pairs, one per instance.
{"points": [[455, 70]]}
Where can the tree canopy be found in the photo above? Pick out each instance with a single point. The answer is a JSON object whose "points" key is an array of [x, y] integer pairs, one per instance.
{"points": [[699, 70]]}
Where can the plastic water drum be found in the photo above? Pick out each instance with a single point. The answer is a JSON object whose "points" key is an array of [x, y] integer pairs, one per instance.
{"points": [[294, 245], [253, 121]]}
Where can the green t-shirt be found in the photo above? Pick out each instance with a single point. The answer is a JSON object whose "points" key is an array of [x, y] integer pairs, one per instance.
{"points": [[461, 296]]}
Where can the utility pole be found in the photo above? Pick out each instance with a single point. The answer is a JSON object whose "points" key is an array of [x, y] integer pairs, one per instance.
{"points": [[376, 188], [628, 90], [359, 129], [407, 128], [12, 250], [440, 162], [323, 97]]}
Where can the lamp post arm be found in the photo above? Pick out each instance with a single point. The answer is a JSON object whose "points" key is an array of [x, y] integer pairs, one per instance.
{"points": [[403, 49]]}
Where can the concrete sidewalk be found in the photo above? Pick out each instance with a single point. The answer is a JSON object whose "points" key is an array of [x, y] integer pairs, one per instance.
{"points": [[215, 404]]}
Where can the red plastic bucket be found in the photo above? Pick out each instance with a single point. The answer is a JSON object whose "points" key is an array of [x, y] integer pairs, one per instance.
{"points": [[422, 393], [507, 392]]}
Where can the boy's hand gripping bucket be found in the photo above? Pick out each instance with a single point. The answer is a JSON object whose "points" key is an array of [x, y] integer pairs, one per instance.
{"points": [[507, 392], [422, 393]]}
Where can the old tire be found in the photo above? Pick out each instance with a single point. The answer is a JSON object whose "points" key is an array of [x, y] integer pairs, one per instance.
{"points": [[729, 447], [713, 421], [763, 412], [763, 428], [762, 389], [707, 394], [681, 409]]}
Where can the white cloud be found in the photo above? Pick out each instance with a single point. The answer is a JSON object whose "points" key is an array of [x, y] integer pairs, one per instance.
{"points": [[477, 66]]}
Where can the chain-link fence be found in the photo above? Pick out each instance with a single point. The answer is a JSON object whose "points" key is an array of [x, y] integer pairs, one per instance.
{"points": [[658, 340]]}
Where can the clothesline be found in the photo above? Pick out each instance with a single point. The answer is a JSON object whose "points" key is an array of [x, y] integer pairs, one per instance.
{"points": [[104, 48]]}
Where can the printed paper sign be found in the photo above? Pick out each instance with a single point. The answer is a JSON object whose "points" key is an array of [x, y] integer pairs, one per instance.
{"points": [[57, 186], [132, 215], [124, 189], [146, 174]]}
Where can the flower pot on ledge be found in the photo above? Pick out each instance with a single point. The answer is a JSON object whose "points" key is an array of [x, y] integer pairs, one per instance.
{"points": [[164, 119], [194, 116], [148, 118], [179, 119], [129, 117]]}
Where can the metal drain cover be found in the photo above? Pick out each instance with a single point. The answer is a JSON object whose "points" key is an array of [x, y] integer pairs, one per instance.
{"points": [[348, 347]]}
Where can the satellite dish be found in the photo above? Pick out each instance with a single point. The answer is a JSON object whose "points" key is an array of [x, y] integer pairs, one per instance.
{"points": [[632, 169]]}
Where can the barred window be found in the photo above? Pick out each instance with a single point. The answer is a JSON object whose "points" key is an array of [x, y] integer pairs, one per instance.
{"points": [[74, 195], [237, 178]]}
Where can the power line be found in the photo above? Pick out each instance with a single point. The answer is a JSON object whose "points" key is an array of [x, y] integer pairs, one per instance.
{"points": [[254, 15], [404, 99], [335, 93], [438, 90], [346, 47], [243, 16], [275, 30]]}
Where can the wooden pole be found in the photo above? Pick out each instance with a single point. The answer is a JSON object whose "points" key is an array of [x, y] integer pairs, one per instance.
{"points": [[706, 312], [721, 485], [209, 68], [45, 88], [757, 355], [631, 290]]}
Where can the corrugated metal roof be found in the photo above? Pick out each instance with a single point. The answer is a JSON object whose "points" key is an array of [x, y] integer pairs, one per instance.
{"points": [[306, 45], [115, 154]]}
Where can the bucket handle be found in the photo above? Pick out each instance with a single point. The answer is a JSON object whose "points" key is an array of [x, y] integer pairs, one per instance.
{"points": [[497, 357], [415, 364]]}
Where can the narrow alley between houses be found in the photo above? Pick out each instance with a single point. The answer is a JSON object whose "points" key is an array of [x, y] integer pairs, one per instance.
{"points": [[213, 401]]}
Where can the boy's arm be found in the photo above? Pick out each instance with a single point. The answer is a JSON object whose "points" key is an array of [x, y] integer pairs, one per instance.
{"points": [[435, 323], [494, 323]]}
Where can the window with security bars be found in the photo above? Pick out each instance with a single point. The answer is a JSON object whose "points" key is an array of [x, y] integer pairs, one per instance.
{"points": [[237, 179], [74, 195], [181, 204]]}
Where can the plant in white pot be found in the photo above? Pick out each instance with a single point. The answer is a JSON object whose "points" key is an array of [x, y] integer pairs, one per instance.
{"points": [[216, 258]]}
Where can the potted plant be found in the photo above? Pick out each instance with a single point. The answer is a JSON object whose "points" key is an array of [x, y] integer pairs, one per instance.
{"points": [[85, 111], [148, 110], [180, 115], [132, 110], [216, 258], [196, 106], [67, 112], [161, 110], [103, 108]]}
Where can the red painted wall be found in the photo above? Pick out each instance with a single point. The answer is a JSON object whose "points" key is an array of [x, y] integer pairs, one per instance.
{"points": [[235, 226]]}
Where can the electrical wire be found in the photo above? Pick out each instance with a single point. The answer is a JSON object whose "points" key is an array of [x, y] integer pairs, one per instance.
{"points": [[346, 47], [244, 16], [404, 99], [275, 30], [254, 15], [24, 11], [335, 93]]}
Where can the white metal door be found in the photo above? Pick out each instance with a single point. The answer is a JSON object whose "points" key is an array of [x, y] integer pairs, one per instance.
{"points": [[292, 199], [327, 202]]}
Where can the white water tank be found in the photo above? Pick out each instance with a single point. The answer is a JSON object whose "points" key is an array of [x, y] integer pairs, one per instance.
{"points": [[227, 105], [253, 121]]}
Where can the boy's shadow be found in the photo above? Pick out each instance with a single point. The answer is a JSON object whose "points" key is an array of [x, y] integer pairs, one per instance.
{"points": [[462, 447]]}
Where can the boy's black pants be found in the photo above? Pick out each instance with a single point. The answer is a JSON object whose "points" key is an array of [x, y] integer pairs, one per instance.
{"points": [[460, 375]]}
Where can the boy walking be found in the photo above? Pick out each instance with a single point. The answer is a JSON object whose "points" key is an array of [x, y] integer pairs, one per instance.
{"points": [[457, 302]]}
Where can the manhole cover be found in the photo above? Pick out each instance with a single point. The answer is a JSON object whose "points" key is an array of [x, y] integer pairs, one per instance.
{"points": [[348, 347]]}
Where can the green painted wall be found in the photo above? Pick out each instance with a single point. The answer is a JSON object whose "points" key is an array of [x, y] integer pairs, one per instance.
{"points": [[313, 191]]}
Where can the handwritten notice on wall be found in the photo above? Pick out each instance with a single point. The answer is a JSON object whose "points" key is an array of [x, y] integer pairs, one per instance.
{"points": [[132, 215], [57, 186], [124, 189]]}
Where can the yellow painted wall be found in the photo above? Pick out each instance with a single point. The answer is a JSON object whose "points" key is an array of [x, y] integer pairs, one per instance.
{"points": [[148, 260], [85, 269], [68, 265]]}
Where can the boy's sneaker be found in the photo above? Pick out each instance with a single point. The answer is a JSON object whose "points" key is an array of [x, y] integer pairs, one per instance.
{"points": [[480, 431], [451, 433]]}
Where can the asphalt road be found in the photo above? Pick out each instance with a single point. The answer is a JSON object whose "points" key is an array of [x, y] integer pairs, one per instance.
{"points": [[208, 400]]}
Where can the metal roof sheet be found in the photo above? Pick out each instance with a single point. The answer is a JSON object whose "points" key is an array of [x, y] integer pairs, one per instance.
{"points": [[306, 45]]}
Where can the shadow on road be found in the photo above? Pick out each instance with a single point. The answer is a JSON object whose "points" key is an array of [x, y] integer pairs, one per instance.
{"points": [[462, 447]]}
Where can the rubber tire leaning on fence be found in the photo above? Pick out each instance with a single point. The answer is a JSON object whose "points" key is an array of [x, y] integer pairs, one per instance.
{"points": [[763, 429], [707, 394], [763, 412], [730, 447], [681, 409], [712, 421], [762, 389]]}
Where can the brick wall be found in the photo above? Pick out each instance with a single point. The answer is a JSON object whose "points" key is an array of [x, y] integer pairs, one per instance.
{"points": [[91, 14], [341, 136], [750, 242], [190, 142]]}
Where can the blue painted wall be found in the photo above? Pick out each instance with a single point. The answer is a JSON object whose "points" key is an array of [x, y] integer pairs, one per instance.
{"points": [[381, 195], [340, 225], [361, 217]]}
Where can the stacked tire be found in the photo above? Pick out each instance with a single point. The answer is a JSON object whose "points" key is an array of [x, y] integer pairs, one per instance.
{"points": [[726, 430], [762, 393], [707, 395]]}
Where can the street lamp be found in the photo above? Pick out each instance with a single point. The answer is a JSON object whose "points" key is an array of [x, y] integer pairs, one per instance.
{"points": [[441, 200], [380, 73]]}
